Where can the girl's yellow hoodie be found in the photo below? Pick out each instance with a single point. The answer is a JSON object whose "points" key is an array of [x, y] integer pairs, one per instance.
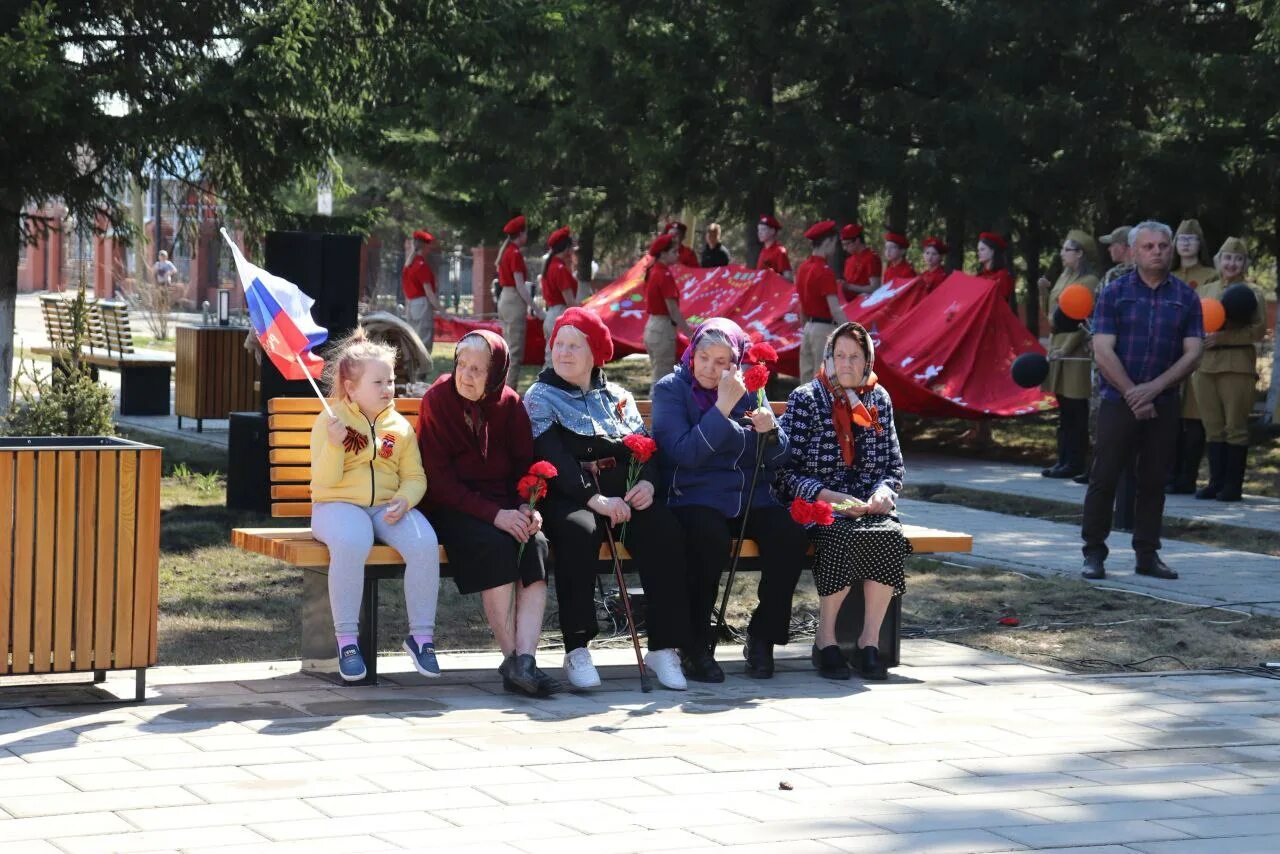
{"points": [[377, 462]]}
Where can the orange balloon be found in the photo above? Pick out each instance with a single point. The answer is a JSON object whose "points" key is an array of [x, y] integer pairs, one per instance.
{"points": [[1214, 314], [1076, 302]]}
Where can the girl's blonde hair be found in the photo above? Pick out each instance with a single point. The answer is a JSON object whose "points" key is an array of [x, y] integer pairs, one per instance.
{"points": [[347, 357]]}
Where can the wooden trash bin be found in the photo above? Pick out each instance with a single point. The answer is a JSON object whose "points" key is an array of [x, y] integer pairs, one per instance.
{"points": [[79, 556], [216, 375]]}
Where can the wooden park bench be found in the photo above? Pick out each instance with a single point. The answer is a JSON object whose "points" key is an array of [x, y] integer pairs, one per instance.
{"points": [[108, 344], [289, 424]]}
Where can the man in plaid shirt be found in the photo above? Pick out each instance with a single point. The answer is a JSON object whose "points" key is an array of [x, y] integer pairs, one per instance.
{"points": [[1147, 335]]}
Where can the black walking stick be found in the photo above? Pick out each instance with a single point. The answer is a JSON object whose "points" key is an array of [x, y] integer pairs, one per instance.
{"points": [[645, 686], [768, 438]]}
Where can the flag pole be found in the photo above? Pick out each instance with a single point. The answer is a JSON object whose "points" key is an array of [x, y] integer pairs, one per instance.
{"points": [[323, 400]]}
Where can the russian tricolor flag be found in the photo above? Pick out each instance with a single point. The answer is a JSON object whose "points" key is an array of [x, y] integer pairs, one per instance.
{"points": [[281, 317]]}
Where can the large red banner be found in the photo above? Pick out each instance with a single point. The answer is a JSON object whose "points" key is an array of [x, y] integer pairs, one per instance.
{"points": [[945, 353]]}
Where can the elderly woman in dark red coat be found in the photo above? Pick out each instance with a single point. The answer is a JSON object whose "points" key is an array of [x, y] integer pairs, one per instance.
{"points": [[476, 443]]}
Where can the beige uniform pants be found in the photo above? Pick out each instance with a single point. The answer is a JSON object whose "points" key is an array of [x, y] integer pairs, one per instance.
{"points": [[811, 346], [512, 310], [1225, 401], [660, 343], [549, 323]]}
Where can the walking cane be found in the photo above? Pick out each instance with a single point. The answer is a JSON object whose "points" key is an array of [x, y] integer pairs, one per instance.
{"points": [[645, 686], [766, 439]]}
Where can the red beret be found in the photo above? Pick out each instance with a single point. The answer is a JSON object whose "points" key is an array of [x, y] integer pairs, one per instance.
{"points": [[660, 244], [935, 243], [556, 236], [590, 325], [424, 236], [852, 231], [771, 221], [819, 230], [894, 237], [673, 225], [514, 226], [994, 239]]}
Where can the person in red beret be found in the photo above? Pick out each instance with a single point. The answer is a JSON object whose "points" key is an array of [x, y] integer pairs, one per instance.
{"points": [[418, 281], [934, 272], [862, 270], [773, 255], [580, 421], [515, 301], [819, 304], [559, 287], [993, 262], [896, 266], [685, 256], [662, 299]]}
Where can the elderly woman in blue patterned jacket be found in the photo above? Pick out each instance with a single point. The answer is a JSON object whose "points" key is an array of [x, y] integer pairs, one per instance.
{"points": [[844, 450], [708, 427], [579, 423]]}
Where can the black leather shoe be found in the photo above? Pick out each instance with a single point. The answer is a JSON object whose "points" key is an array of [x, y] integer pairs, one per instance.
{"points": [[869, 664], [700, 666], [830, 662], [520, 676], [1155, 568], [759, 656], [1061, 470], [547, 684], [1082, 479], [1094, 568]]}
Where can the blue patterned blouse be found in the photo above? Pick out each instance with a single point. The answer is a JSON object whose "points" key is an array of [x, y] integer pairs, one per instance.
{"points": [[816, 463]]}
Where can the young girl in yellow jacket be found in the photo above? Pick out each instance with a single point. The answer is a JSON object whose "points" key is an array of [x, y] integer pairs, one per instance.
{"points": [[366, 478]]}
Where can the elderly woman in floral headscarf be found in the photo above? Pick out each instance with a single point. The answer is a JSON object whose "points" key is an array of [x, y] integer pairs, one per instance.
{"points": [[708, 428], [844, 451], [580, 425], [476, 443]]}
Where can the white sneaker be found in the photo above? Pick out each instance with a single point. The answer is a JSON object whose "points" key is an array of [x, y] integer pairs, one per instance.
{"points": [[579, 670], [665, 664]]}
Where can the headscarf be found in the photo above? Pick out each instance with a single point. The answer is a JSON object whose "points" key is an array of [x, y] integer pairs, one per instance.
{"points": [[475, 413], [847, 408], [739, 342]]}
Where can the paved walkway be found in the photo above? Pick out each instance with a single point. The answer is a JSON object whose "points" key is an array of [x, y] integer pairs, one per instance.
{"points": [[1255, 511], [962, 751]]}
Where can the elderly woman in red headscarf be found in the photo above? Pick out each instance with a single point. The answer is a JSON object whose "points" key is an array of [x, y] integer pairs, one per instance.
{"points": [[476, 443]]}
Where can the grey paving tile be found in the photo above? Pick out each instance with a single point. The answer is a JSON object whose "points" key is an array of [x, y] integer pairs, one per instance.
{"points": [[153, 840], [1118, 811], [112, 800], [340, 806], [1236, 845], [1236, 804], [449, 838], [47, 827], [608, 843], [210, 815], [935, 842], [1227, 825]]}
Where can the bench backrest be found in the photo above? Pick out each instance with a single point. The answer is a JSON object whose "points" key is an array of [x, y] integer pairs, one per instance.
{"points": [[106, 325], [289, 423]]}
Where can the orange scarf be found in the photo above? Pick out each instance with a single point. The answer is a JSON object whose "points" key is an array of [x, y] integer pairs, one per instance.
{"points": [[844, 415]]}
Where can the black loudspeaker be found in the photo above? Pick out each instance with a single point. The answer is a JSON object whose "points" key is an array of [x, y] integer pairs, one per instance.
{"points": [[327, 268], [248, 468]]}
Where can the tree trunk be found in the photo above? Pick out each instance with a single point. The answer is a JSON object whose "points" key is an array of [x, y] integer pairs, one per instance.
{"points": [[899, 210], [586, 257], [1031, 256], [1273, 390], [9, 237], [955, 237]]}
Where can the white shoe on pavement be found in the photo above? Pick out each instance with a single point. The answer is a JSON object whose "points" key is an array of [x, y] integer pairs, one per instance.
{"points": [[579, 669], [665, 664]]}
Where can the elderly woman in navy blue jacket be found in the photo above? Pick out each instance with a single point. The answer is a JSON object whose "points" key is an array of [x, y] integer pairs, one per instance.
{"points": [[707, 427], [844, 450]]}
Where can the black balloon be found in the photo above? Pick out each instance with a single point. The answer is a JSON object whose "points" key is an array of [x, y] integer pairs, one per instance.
{"points": [[1030, 369], [1062, 323], [1239, 303]]}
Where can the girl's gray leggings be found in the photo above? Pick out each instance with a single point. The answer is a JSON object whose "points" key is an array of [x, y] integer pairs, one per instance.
{"points": [[349, 531]]}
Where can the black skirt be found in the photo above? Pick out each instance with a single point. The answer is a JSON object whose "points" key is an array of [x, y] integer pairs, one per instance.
{"points": [[868, 548], [482, 557]]}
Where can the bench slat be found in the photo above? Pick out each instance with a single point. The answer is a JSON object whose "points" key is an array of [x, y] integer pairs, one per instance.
{"points": [[291, 474], [291, 509], [311, 405], [290, 439], [290, 456]]}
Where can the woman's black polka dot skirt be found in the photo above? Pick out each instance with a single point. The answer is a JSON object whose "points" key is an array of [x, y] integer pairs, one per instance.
{"points": [[867, 548]]}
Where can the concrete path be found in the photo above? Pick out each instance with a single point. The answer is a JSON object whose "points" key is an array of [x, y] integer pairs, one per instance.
{"points": [[1255, 511], [962, 751], [1209, 575]]}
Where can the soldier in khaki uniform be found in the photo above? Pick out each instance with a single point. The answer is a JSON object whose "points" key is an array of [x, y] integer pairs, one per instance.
{"points": [[1193, 268], [1070, 381], [1224, 382]]}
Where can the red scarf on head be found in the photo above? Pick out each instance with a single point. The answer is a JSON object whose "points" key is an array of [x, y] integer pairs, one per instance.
{"points": [[844, 415]]}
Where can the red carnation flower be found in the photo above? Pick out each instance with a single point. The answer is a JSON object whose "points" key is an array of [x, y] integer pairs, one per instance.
{"points": [[756, 377], [762, 352], [802, 511], [543, 469], [822, 513], [641, 447], [527, 485]]}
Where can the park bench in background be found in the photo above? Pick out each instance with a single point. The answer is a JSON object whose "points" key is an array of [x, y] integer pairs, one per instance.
{"points": [[290, 421], [108, 344]]}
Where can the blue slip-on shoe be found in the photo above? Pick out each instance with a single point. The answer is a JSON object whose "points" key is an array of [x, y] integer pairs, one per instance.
{"points": [[351, 663], [424, 659]]}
